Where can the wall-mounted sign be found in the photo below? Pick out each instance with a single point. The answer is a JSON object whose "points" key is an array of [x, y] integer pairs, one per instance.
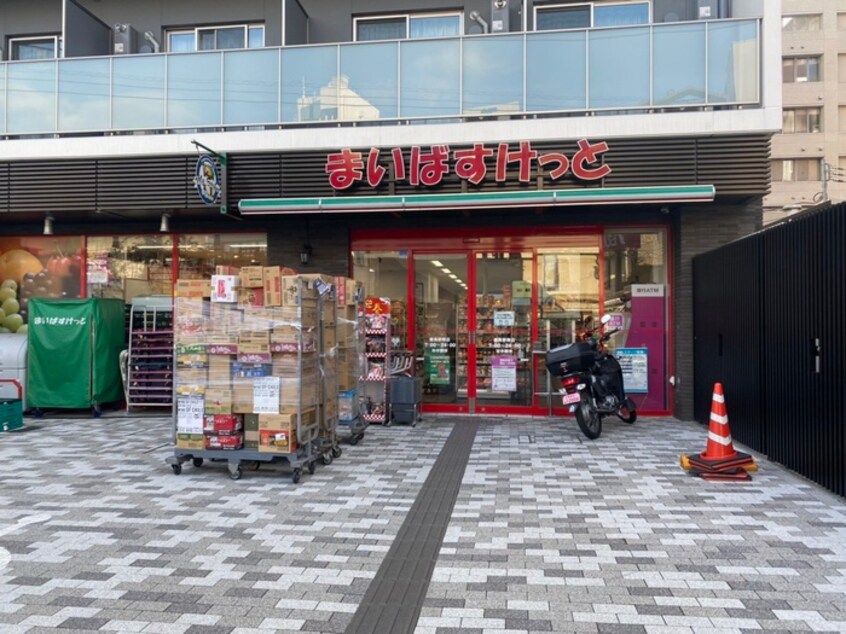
{"points": [[647, 290], [429, 166], [207, 180], [635, 365]]}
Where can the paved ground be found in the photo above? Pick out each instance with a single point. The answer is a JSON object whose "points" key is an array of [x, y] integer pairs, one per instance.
{"points": [[549, 533]]}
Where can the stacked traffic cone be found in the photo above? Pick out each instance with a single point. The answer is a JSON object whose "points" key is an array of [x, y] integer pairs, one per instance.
{"points": [[719, 461]]}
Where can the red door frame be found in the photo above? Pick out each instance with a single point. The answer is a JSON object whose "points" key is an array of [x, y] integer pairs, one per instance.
{"points": [[472, 240]]}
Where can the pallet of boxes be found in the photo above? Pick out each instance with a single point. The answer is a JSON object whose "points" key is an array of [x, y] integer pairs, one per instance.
{"points": [[349, 329], [247, 373]]}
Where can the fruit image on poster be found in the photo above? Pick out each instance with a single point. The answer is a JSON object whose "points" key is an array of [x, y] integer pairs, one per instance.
{"points": [[36, 267]]}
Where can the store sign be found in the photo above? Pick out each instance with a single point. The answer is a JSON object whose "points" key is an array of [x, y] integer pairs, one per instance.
{"points": [[503, 318], [647, 290], [207, 180], [429, 166]]}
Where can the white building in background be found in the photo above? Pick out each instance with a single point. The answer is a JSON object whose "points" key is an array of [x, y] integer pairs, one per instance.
{"points": [[809, 155]]}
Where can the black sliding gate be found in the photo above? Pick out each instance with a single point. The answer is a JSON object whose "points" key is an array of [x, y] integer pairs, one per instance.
{"points": [[769, 321]]}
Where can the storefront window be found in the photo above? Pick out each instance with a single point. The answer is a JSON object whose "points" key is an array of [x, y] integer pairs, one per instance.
{"points": [[199, 254], [124, 267], [36, 267], [636, 296]]}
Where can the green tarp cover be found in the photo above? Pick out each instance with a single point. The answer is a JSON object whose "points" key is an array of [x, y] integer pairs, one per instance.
{"points": [[74, 352]]}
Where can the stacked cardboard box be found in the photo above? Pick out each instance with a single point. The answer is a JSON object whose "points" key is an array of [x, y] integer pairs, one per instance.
{"points": [[249, 360]]}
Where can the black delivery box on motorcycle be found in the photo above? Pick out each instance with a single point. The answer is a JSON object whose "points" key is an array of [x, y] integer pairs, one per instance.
{"points": [[574, 357]]}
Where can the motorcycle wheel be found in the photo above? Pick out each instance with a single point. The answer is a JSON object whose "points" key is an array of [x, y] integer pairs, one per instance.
{"points": [[627, 413], [588, 419]]}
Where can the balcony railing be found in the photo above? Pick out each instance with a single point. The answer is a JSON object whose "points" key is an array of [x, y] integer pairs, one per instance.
{"points": [[663, 66]]}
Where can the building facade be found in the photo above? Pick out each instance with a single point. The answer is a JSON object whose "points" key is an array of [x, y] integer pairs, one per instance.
{"points": [[500, 173], [809, 159]]}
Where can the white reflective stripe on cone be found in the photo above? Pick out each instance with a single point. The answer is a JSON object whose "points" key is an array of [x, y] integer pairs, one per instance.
{"points": [[723, 440], [722, 420], [719, 398]]}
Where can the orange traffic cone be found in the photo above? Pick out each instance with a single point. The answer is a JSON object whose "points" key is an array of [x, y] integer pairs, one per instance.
{"points": [[719, 460]]}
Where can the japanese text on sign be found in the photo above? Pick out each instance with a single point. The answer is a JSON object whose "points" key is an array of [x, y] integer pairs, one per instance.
{"points": [[428, 167], [59, 321], [266, 395]]}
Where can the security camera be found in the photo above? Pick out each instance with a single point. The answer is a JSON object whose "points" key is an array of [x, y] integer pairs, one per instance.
{"points": [[665, 210]]}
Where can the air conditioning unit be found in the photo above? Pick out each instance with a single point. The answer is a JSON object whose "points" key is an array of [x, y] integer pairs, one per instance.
{"points": [[500, 22], [125, 39]]}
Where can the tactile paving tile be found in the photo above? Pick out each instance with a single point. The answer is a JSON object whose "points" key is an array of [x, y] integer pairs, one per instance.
{"points": [[554, 532], [125, 545]]}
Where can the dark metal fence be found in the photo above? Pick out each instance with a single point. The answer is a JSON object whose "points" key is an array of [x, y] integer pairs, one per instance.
{"points": [[769, 321]]}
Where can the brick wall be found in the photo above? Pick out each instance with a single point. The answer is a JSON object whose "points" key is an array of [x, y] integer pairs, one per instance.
{"points": [[699, 229]]}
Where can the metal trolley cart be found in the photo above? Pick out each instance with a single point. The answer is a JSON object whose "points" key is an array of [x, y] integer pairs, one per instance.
{"points": [[256, 360], [327, 445], [351, 363], [147, 368]]}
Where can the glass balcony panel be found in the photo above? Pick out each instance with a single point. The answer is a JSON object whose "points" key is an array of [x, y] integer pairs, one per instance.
{"points": [[619, 68], [250, 87], [430, 79], [732, 62], [193, 90], [309, 84], [2, 98], [369, 82], [678, 65], [565, 88], [31, 97], [138, 94], [493, 75], [83, 95]]}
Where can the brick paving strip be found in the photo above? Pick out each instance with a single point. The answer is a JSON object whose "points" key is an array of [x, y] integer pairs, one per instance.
{"points": [[394, 600]]}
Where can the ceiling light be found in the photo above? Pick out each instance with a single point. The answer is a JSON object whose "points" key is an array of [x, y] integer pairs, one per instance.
{"points": [[164, 225], [48, 225], [372, 270], [447, 271], [437, 263], [257, 245], [453, 276]]}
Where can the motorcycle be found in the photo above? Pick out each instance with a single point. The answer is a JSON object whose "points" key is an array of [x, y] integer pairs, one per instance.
{"points": [[591, 381]]}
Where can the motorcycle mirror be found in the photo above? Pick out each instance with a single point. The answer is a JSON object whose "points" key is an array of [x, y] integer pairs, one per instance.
{"points": [[605, 319]]}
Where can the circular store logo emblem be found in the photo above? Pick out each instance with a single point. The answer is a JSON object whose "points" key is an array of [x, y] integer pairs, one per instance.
{"points": [[207, 180]]}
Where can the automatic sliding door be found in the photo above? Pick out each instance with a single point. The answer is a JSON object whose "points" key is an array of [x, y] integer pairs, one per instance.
{"points": [[441, 328]]}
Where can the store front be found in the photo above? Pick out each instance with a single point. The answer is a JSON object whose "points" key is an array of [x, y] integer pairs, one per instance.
{"points": [[478, 308]]}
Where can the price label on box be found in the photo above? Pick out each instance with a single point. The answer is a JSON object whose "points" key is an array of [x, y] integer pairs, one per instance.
{"points": [[189, 414], [266, 395], [225, 288]]}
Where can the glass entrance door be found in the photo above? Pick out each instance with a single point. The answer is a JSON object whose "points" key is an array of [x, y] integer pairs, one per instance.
{"points": [[501, 330], [473, 330], [569, 301]]}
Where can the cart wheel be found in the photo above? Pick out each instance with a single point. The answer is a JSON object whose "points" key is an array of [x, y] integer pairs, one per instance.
{"points": [[312, 467], [296, 475], [336, 452], [236, 474], [254, 465], [326, 458], [354, 440], [197, 462], [177, 468]]}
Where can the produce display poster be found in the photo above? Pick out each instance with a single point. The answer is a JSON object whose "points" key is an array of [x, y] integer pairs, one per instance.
{"points": [[438, 368], [634, 362]]}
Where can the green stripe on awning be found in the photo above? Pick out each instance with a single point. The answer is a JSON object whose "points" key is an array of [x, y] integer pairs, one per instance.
{"points": [[552, 197]]}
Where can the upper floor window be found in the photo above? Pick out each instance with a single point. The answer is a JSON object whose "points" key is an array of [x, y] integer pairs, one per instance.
{"points": [[800, 69], [400, 27], [797, 120], [794, 23], [584, 16], [796, 170], [46, 47], [215, 38]]}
